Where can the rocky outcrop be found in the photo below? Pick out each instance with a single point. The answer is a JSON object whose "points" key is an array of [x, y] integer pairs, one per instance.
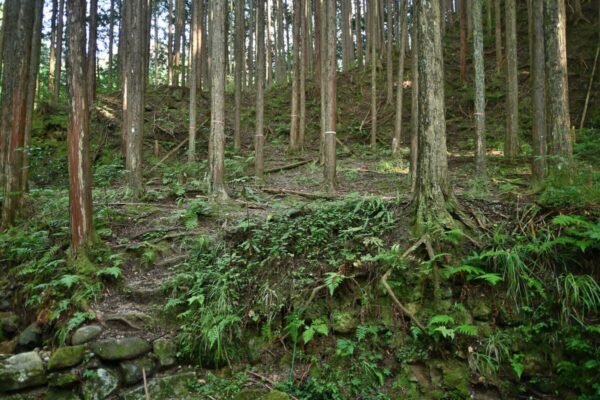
{"points": [[22, 371]]}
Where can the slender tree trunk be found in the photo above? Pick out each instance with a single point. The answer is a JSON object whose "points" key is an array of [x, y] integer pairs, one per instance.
{"points": [[329, 169], [239, 68], [18, 27], [479, 64], [557, 83], [111, 38], [252, 31], [389, 59], [196, 44], [302, 80], [511, 143], [346, 35], [397, 141], [177, 41], [259, 141], [52, 54], [58, 61], [170, 41], [358, 34], [538, 92], [269, 46], [80, 176], [217, 109], [32, 85], [433, 190], [498, 19], [156, 48], [463, 41], [373, 13], [91, 54], [280, 63], [134, 93], [414, 107], [323, 81], [319, 46], [294, 126]]}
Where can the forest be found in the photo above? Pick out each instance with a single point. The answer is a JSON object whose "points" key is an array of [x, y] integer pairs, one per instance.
{"points": [[299, 199]]}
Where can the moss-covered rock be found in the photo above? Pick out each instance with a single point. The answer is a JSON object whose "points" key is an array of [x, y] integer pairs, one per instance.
{"points": [[480, 310], [100, 384], [250, 394], [65, 357], [133, 371], [454, 376], [275, 395], [30, 338], [120, 349], [165, 351], [86, 334], [344, 321], [61, 394], [165, 388], [8, 346], [9, 324], [62, 379], [21, 371]]}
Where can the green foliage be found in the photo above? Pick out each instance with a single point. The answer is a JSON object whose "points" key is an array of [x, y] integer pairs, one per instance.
{"points": [[444, 326]]}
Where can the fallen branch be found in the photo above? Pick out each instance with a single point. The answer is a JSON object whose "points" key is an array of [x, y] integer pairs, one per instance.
{"points": [[404, 310], [286, 192], [289, 166], [169, 154]]}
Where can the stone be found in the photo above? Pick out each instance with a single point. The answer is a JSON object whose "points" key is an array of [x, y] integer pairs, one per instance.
{"points": [[344, 321], [120, 349], [61, 394], [30, 338], [165, 351], [65, 357], [250, 394], [455, 376], [21, 371], [481, 311], [132, 371], [8, 346], [100, 384], [86, 334], [275, 395], [168, 387], [62, 379], [9, 323]]}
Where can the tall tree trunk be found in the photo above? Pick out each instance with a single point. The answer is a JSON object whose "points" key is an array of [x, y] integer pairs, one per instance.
{"points": [[280, 62], [259, 141], [432, 190], [111, 39], [156, 48], [18, 28], [196, 45], [250, 53], [498, 20], [177, 41], [479, 64], [358, 34], [319, 45], [268, 46], [294, 126], [511, 142], [239, 68], [58, 61], [389, 59], [91, 54], [302, 81], [133, 92], [347, 52], [323, 73], [170, 40], [80, 175], [329, 169], [397, 141], [373, 13], [32, 85], [557, 82], [217, 109], [414, 105], [52, 54], [538, 77], [463, 41]]}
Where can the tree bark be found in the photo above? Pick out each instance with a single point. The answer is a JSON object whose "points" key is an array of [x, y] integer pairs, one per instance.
{"points": [[58, 60], [280, 62], [463, 41], [358, 33], [347, 51], [18, 28], [239, 68], [302, 80], [32, 85], [479, 64], [432, 189], [134, 91], [111, 38], [259, 161], [217, 135], [511, 142], [294, 126], [389, 59], [177, 41], [91, 54], [329, 169], [373, 13], [170, 40], [397, 141], [414, 107], [498, 21], [80, 176], [52, 53], [538, 92], [557, 83], [196, 45]]}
